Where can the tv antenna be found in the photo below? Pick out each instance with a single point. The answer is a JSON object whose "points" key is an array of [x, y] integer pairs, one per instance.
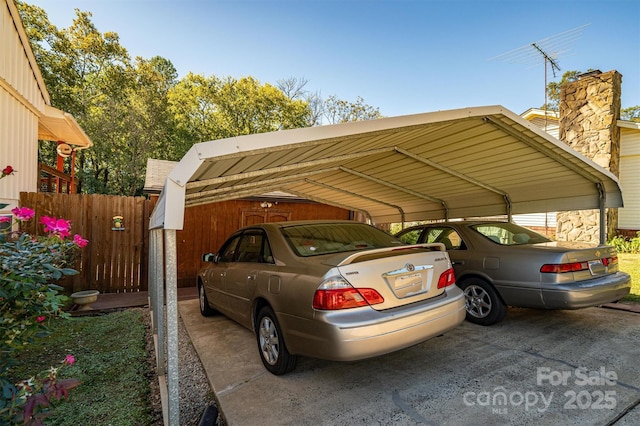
{"points": [[550, 49]]}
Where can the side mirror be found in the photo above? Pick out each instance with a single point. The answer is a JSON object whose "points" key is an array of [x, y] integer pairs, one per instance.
{"points": [[209, 257]]}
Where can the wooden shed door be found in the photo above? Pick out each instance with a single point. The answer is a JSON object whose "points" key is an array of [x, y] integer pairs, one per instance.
{"points": [[252, 217]]}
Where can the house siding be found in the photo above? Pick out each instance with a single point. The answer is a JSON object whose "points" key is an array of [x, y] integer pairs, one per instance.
{"points": [[629, 215], [21, 100]]}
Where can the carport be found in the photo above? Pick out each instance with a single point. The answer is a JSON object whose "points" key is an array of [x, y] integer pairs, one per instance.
{"points": [[481, 161]]}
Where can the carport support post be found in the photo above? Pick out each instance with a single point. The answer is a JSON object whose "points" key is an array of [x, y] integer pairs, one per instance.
{"points": [[603, 214], [158, 297], [172, 326]]}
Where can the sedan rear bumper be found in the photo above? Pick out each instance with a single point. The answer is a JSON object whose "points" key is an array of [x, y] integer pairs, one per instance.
{"points": [[360, 333], [583, 294]]}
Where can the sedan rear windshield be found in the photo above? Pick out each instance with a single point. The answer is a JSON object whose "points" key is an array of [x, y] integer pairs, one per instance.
{"points": [[509, 234], [326, 238]]}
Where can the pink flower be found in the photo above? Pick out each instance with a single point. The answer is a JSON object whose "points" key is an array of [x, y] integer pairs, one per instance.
{"points": [[7, 171], [69, 359], [41, 318], [5, 219], [80, 242], [23, 213], [53, 226]]}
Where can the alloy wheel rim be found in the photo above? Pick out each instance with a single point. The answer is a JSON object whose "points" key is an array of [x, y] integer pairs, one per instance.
{"points": [[269, 343], [201, 294], [478, 302]]}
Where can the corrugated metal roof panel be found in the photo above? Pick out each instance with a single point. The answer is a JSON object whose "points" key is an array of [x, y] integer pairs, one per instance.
{"points": [[469, 162]]}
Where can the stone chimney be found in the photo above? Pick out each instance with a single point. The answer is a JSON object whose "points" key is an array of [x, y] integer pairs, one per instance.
{"points": [[589, 111]]}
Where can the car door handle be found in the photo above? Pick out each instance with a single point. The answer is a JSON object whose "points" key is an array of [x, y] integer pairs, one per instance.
{"points": [[251, 277]]}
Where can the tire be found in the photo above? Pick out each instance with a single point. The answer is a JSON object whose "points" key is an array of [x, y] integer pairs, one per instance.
{"points": [[484, 305], [205, 309], [273, 352]]}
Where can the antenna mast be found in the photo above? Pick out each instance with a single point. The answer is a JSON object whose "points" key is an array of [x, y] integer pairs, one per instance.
{"points": [[554, 66], [550, 48]]}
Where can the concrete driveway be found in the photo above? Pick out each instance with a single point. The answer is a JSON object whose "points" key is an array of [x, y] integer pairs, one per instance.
{"points": [[536, 367]]}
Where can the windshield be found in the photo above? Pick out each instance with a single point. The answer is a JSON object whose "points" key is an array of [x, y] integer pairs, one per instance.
{"points": [[328, 238], [509, 234]]}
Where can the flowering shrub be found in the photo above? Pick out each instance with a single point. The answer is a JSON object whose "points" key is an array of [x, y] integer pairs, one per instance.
{"points": [[29, 266], [29, 401]]}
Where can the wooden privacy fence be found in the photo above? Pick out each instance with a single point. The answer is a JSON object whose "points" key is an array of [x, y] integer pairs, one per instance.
{"points": [[115, 260]]}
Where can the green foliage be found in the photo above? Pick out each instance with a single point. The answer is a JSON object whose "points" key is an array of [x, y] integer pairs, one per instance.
{"points": [[135, 110], [209, 108], [625, 244], [111, 365], [28, 301], [340, 111], [28, 297], [631, 114]]}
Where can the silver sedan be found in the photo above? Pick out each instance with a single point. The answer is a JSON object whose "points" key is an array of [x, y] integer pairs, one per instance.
{"points": [[334, 290], [500, 264]]}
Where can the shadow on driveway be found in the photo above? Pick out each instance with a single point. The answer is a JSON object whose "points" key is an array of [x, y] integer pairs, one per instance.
{"points": [[536, 367]]}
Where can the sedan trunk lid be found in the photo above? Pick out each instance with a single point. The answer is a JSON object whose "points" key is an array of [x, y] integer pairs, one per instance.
{"points": [[402, 275]]}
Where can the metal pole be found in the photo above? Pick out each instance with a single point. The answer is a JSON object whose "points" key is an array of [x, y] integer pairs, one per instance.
{"points": [[158, 311], [172, 326]]}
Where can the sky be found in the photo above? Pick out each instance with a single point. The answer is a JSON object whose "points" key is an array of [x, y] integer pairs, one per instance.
{"points": [[402, 57]]}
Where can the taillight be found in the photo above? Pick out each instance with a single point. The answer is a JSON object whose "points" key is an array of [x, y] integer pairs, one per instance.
{"points": [[447, 278], [337, 293], [561, 268], [610, 260]]}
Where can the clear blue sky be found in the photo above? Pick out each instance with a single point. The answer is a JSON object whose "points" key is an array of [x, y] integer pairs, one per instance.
{"points": [[401, 56]]}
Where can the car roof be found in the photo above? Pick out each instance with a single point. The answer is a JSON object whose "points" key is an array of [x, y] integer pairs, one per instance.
{"points": [[458, 222], [301, 222]]}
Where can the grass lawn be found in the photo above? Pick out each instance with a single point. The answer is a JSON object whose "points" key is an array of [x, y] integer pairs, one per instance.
{"points": [[630, 263], [111, 364]]}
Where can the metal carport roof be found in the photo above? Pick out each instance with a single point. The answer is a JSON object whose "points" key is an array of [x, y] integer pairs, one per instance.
{"points": [[468, 162], [480, 161]]}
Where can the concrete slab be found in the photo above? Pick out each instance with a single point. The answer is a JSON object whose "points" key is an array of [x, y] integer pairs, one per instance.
{"points": [[536, 367]]}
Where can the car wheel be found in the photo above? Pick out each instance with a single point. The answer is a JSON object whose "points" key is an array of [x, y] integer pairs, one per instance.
{"points": [[205, 309], [483, 304], [273, 351]]}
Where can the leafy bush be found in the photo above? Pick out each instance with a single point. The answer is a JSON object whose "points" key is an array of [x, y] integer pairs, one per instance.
{"points": [[626, 244], [29, 298]]}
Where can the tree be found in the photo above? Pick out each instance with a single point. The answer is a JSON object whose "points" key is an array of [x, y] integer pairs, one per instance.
{"points": [[332, 109], [209, 108], [340, 111], [294, 88], [631, 113], [121, 106], [135, 110]]}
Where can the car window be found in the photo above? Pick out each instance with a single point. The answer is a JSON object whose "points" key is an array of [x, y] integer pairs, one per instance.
{"points": [[326, 238], [228, 250], [254, 248], [447, 236], [509, 234], [250, 247], [410, 237]]}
